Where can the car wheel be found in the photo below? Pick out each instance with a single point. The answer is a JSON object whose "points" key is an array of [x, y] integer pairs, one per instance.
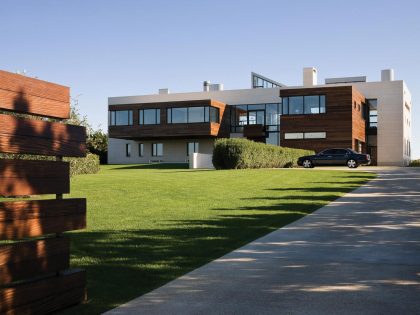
{"points": [[307, 164], [352, 163]]}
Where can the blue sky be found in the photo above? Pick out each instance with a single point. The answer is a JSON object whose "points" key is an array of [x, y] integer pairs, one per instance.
{"points": [[113, 48]]}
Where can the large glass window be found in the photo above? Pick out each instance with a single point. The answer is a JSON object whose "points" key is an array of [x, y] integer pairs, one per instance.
{"points": [[311, 104], [296, 105], [272, 116], [192, 147], [272, 138], [261, 114], [149, 116], [179, 115], [185, 115], [157, 149], [120, 117], [195, 114], [214, 114]]}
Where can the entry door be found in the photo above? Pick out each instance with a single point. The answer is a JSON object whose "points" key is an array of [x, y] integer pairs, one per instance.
{"points": [[256, 117]]}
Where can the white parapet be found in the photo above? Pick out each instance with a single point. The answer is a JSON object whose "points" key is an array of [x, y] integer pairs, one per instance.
{"points": [[200, 160]]}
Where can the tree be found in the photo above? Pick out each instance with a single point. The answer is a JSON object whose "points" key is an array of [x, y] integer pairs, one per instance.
{"points": [[97, 140]]}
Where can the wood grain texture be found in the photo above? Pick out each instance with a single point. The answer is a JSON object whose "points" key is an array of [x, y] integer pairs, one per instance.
{"points": [[337, 122], [26, 177], [171, 131], [26, 136], [45, 295], [20, 219], [32, 96], [33, 258]]}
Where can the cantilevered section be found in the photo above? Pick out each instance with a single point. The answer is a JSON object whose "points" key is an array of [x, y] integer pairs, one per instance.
{"points": [[168, 120]]}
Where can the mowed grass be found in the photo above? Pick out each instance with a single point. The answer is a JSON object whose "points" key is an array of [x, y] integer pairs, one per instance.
{"points": [[147, 226]]}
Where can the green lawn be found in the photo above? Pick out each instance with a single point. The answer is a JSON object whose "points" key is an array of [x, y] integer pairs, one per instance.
{"points": [[147, 226]]}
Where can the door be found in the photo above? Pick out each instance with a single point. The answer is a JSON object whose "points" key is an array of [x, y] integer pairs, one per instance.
{"points": [[341, 156]]}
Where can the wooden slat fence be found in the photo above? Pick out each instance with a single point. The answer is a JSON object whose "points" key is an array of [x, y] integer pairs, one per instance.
{"points": [[34, 273]]}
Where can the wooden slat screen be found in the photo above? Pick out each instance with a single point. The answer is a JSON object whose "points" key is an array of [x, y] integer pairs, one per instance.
{"points": [[27, 136], [34, 274], [32, 96]]}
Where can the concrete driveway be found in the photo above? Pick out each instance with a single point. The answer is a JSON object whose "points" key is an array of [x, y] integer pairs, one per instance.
{"points": [[357, 255]]}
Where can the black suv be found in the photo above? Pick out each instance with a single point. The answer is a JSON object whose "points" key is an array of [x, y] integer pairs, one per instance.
{"points": [[335, 157]]}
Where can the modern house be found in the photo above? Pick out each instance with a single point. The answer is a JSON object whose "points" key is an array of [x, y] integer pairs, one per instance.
{"points": [[348, 112]]}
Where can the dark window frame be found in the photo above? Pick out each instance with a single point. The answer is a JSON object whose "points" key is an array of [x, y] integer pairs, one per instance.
{"points": [[113, 117], [206, 114], [322, 104], [141, 149], [155, 149], [157, 116], [196, 147], [128, 150], [234, 120]]}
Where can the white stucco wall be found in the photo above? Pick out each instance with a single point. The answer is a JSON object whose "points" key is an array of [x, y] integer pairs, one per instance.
{"points": [[174, 151], [243, 96]]}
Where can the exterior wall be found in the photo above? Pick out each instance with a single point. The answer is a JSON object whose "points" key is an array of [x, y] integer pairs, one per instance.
{"points": [[174, 150], [392, 116], [358, 121], [336, 122], [243, 96]]}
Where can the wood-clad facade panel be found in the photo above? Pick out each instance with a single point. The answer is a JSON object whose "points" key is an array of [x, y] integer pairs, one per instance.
{"points": [[27, 136], [337, 122], [166, 130], [27, 177]]}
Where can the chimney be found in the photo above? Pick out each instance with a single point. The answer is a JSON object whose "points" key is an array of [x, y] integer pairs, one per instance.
{"points": [[309, 76], [387, 75], [163, 91], [206, 86]]}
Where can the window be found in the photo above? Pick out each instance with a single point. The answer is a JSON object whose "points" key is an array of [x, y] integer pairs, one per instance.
{"points": [[315, 135], [192, 147], [298, 105], [157, 149], [373, 113], [305, 135], [214, 114], [273, 138], [311, 104], [293, 135], [259, 81], [120, 117], [141, 149], [149, 116], [128, 149], [261, 114], [187, 115]]}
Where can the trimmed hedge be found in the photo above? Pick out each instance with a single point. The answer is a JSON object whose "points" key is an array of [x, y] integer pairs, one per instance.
{"points": [[87, 165], [242, 153], [415, 163]]}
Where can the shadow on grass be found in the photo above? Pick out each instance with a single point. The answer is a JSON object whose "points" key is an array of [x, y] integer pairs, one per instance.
{"points": [[158, 166], [122, 265]]}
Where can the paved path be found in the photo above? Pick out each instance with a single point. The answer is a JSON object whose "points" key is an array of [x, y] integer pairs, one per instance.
{"points": [[358, 255]]}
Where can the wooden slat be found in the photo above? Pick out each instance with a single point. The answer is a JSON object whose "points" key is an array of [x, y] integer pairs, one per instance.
{"points": [[25, 177], [24, 260], [45, 295], [20, 219], [26, 136], [32, 96]]}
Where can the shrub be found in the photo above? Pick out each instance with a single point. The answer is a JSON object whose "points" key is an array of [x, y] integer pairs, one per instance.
{"points": [[415, 163], [242, 153], [85, 165]]}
